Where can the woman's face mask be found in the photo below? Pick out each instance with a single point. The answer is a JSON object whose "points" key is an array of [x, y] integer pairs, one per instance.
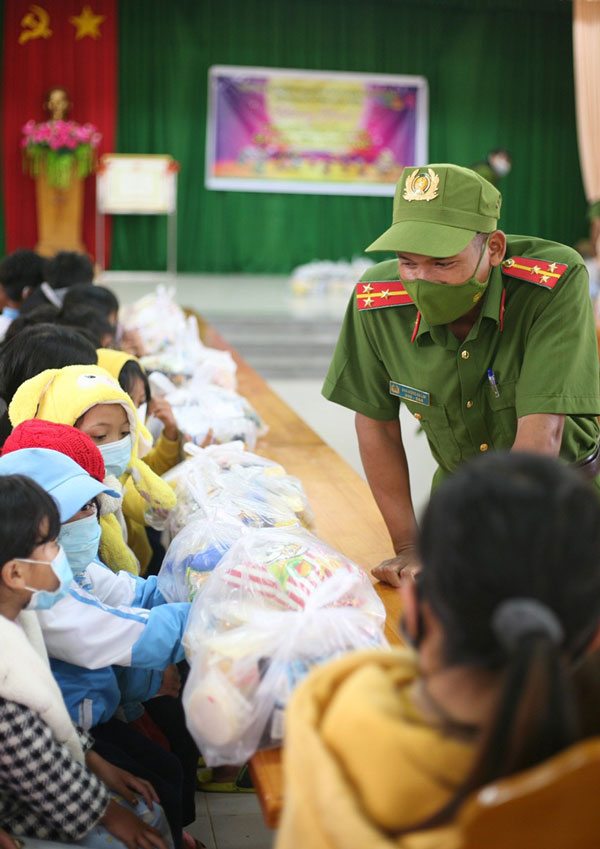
{"points": [[80, 540], [116, 456], [45, 599], [441, 303]]}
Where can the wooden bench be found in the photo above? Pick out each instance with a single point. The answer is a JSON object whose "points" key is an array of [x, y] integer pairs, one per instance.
{"points": [[345, 513]]}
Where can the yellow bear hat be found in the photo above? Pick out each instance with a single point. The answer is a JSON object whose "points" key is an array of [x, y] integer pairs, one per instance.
{"points": [[64, 395], [113, 361]]}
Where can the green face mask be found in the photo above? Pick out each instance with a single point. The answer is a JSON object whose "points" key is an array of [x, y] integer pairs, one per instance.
{"points": [[441, 303]]}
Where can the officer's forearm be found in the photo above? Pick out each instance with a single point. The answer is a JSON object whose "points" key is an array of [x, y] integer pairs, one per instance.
{"points": [[384, 461], [540, 433]]}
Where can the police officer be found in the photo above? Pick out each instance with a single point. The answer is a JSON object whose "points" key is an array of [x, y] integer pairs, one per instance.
{"points": [[488, 339]]}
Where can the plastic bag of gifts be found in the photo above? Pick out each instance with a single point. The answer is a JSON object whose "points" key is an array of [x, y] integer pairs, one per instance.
{"points": [[189, 360], [204, 411], [156, 318], [238, 484], [194, 552], [278, 603]]}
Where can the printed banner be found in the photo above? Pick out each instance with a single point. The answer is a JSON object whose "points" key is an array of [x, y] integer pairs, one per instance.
{"points": [[313, 132]]}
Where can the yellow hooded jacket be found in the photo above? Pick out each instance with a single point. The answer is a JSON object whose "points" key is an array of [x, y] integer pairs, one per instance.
{"points": [[360, 764], [165, 454], [64, 395]]}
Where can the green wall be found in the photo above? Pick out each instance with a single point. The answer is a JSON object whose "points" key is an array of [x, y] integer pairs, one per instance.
{"points": [[499, 72]]}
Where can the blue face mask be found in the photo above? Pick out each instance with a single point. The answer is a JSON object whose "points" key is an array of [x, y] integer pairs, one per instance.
{"points": [[44, 599], [80, 540], [116, 456], [11, 313]]}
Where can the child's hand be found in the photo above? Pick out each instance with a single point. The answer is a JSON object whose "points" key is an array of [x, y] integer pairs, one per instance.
{"points": [[171, 682], [163, 411], [121, 781], [130, 829]]}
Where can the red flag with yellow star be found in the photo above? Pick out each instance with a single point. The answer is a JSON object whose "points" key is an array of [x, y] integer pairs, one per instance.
{"points": [[71, 44]]}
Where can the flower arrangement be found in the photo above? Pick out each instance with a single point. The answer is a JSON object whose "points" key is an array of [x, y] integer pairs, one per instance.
{"points": [[58, 147]]}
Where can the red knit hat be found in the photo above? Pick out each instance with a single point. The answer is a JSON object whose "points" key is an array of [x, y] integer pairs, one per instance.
{"points": [[37, 433]]}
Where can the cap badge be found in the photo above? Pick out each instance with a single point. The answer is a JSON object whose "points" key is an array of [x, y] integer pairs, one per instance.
{"points": [[421, 185]]}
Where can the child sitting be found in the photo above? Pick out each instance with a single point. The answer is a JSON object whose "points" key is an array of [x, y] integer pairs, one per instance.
{"points": [[88, 398], [20, 273], [33, 350], [96, 625], [48, 788], [132, 378], [382, 748], [164, 454]]}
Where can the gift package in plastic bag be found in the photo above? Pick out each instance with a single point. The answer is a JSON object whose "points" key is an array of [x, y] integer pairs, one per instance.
{"points": [[239, 485], [188, 362], [193, 554], [157, 319], [207, 411], [279, 602]]}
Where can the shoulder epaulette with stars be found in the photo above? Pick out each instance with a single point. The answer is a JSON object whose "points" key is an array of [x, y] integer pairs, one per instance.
{"points": [[538, 271], [376, 294]]}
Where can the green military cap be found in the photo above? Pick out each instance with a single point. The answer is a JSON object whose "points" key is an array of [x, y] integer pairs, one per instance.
{"points": [[438, 209]]}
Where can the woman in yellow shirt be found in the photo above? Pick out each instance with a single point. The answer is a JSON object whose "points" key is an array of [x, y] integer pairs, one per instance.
{"points": [[382, 748]]}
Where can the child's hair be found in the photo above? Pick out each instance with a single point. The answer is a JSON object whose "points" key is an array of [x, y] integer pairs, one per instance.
{"points": [[510, 549], [94, 325], [23, 507], [97, 298], [45, 314], [129, 373], [21, 269], [33, 350], [69, 268]]}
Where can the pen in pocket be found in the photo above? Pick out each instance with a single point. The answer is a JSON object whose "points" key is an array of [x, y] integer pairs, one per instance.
{"points": [[492, 379]]}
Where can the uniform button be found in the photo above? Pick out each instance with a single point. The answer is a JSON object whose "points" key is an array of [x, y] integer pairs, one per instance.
{"points": [[465, 355], [469, 404], [484, 446], [418, 416]]}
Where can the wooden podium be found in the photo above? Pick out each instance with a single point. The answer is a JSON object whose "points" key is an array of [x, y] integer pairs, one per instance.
{"points": [[59, 216]]}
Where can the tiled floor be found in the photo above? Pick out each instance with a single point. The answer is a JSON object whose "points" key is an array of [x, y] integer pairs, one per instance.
{"points": [[260, 317], [230, 821]]}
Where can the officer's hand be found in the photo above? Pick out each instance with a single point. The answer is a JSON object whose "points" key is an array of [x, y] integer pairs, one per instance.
{"points": [[404, 565]]}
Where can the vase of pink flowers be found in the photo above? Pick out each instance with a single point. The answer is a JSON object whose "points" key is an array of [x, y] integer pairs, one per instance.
{"points": [[60, 149]]}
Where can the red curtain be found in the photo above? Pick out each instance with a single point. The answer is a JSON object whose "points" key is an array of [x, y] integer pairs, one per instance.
{"points": [[70, 44]]}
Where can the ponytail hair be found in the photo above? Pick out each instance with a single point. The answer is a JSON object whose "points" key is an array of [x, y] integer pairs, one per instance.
{"points": [[510, 549]]}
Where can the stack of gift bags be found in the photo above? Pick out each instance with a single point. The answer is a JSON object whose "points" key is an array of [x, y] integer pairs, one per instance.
{"points": [[270, 599]]}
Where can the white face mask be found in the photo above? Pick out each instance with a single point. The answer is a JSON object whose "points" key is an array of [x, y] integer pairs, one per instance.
{"points": [[80, 540], [44, 599], [116, 456]]}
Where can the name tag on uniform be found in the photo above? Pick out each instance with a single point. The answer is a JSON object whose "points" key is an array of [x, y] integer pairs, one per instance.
{"points": [[409, 393]]}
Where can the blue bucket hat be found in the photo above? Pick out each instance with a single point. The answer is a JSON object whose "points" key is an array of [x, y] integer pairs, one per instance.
{"points": [[62, 478]]}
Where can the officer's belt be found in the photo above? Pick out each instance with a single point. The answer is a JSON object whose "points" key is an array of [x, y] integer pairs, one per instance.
{"points": [[590, 466]]}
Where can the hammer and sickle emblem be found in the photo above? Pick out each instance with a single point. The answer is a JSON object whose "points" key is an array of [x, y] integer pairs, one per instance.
{"points": [[35, 24]]}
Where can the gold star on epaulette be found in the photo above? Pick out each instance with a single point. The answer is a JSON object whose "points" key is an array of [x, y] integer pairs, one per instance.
{"points": [[367, 288], [368, 301], [385, 294], [536, 270]]}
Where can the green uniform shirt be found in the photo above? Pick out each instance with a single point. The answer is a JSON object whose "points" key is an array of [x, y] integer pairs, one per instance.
{"points": [[545, 360]]}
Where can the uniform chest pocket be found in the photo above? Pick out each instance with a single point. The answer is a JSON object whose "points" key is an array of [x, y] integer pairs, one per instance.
{"points": [[503, 419], [439, 433]]}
